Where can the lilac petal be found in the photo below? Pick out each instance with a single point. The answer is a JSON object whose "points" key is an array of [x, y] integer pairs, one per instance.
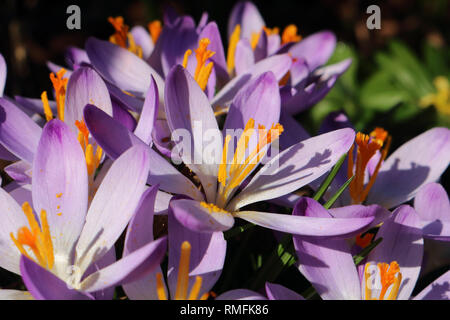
{"points": [[195, 217], [278, 64], [6, 155], [439, 289], [245, 14], [244, 58], [115, 139], [35, 104], [85, 86], [116, 200], [306, 225], [148, 115], [316, 49], [177, 39], [44, 285], [188, 108], [433, 207], [121, 67], [55, 68], [76, 56], [295, 167], [211, 31], [12, 218], [207, 257], [128, 269], [402, 242], [108, 259], [259, 100], [139, 233], [293, 131], [21, 192], [417, 162], [335, 120], [20, 171], [299, 73], [380, 214], [60, 184], [261, 49], [3, 72], [143, 39], [278, 292], [132, 103], [240, 294], [18, 133], [326, 263], [8, 294], [121, 114], [162, 202]]}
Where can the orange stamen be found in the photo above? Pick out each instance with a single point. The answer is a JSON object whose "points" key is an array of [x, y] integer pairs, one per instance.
{"points": [[60, 86], [155, 29], [290, 34], [202, 54]]}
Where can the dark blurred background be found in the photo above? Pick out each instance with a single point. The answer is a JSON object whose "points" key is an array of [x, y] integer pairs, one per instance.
{"points": [[34, 31]]}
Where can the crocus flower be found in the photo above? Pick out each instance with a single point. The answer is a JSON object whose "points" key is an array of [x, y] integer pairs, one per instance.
{"points": [[65, 250], [195, 259], [214, 209], [391, 269]]}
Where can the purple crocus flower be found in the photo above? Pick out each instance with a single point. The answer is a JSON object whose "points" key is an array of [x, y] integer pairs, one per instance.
{"points": [[214, 209], [195, 259], [66, 249], [391, 269], [273, 292]]}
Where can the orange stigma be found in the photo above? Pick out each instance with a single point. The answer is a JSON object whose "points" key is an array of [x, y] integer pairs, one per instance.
{"points": [[181, 292], [364, 241], [231, 176], [60, 86], [290, 34], [366, 147], [254, 39], [37, 238], [122, 37], [272, 31], [390, 277], [202, 54], [155, 29]]}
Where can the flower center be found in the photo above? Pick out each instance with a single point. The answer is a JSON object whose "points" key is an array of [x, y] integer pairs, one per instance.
{"points": [[389, 275], [181, 292], [366, 147], [122, 37], [37, 238], [440, 99], [155, 29], [230, 176], [60, 87], [203, 70]]}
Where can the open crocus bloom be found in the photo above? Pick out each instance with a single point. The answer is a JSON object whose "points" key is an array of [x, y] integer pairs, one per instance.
{"points": [[60, 249], [195, 259], [433, 208], [391, 269], [213, 208]]}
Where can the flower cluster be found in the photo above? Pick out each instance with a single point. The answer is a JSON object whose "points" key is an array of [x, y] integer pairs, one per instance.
{"points": [[159, 145]]}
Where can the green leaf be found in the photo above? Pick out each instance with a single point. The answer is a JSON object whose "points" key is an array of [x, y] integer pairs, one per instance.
{"points": [[338, 193], [365, 252], [326, 183], [380, 94]]}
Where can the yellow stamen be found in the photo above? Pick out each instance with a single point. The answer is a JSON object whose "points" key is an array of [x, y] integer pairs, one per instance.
{"points": [[92, 159], [38, 239], [254, 39], [367, 146], [155, 29], [212, 207], [272, 31], [388, 277], [161, 292], [46, 106], [60, 86], [241, 166], [195, 288], [186, 57], [440, 99], [290, 34], [183, 272], [234, 39]]}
